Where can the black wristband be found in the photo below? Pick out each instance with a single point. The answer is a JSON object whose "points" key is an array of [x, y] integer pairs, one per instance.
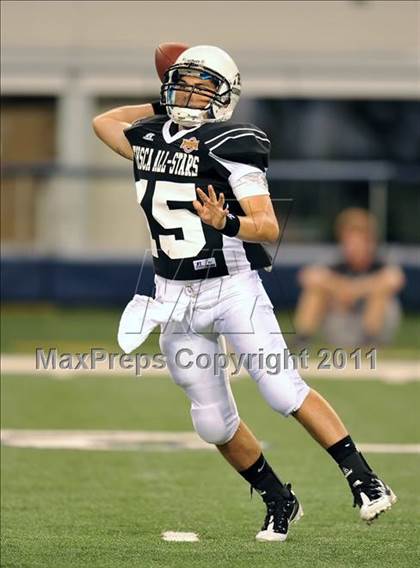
{"points": [[158, 107], [233, 224]]}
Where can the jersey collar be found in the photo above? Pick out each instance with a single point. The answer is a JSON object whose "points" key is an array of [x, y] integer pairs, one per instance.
{"points": [[168, 137]]}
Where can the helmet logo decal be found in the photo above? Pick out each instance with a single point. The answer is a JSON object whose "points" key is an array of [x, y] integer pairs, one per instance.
{"points": [[189, 144]]}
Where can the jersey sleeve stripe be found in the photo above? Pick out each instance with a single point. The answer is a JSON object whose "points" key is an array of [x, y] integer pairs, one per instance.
{"points": [[238, 136], [236, 169], [250, 130]]}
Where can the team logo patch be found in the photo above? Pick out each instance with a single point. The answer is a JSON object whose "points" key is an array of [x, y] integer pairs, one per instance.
{"points": [[190, 144]]}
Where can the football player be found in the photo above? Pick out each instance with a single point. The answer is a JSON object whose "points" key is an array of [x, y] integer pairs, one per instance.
{"points": [[201, 181]]}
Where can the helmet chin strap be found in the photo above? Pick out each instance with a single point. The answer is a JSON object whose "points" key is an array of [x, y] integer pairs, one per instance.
{"points": [[188, 123]]}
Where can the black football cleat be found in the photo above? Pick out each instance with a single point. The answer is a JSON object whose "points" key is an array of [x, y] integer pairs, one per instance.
{"points": [[281, 513], [372, 496]]}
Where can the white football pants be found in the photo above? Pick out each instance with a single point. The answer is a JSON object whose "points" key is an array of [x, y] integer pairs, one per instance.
{"points": [[238, 308]]}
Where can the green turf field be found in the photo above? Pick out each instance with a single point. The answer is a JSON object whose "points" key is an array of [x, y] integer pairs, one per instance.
{"points": [[26, 327], [68, 508], [108, 508]]}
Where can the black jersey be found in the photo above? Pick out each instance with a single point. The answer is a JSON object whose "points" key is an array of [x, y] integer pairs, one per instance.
{"points": [[169, 164]]}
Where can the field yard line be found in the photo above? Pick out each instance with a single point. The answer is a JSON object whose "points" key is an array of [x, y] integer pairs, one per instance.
{"points": [[176, 536], [142, 439], [390, 448], [394, 371], [102, 440]]}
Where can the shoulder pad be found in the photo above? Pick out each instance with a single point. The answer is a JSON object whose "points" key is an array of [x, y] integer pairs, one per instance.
{"points": [[240, 142]]}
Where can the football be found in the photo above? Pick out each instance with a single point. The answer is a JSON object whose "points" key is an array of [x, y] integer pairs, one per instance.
{"points": [[166, 54]]}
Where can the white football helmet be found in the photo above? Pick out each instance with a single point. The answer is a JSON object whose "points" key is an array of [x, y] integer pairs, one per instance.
{"points": [[208, 63]]}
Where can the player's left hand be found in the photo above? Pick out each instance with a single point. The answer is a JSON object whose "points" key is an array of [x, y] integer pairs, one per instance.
{"points": [[210, 210]]}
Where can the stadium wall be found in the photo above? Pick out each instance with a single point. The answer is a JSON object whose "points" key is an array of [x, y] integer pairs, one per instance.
{"points": [[104, 282]]}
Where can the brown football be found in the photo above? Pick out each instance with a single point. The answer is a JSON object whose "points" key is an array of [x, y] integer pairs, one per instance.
{"points": [[166, 54]]}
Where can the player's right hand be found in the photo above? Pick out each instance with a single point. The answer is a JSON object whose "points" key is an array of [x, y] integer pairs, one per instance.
{"points": [[211, 210]]}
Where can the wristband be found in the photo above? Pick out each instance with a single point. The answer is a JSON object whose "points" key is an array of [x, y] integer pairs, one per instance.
{"points": [[233, 224], [158, 107]]}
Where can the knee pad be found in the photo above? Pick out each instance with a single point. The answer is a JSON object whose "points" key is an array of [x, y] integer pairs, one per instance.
{"points": [[215, 423], [284, 392]]}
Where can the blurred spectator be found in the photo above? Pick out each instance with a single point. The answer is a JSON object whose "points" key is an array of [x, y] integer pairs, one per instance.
{"points": [[354, 300]]}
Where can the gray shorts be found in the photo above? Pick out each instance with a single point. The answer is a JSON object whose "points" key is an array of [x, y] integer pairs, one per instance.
{"points": [[346, 329]]}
